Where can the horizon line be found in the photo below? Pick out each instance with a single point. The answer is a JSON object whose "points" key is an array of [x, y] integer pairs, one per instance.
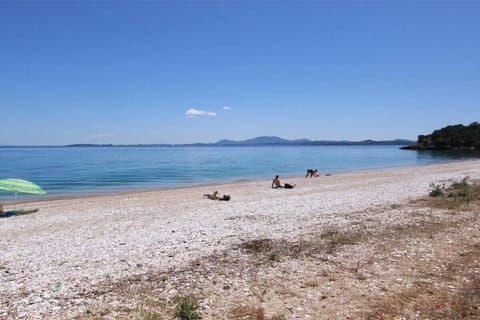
{"points": [[300, 141]]}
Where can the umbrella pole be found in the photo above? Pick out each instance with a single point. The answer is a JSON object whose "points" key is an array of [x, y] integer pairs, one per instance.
{"points": [[15, 202]]}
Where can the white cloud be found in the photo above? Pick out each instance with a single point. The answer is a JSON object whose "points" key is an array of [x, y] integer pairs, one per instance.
{"points": [[227, 108], [194, 112], [101, 135]]}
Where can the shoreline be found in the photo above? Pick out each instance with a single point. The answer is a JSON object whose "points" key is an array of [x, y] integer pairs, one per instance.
{"points": [[220, 183], [80, 243]]}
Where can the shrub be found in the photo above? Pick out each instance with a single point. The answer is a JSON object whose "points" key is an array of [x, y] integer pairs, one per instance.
{"points": [[437, 190], [456, 194], [460, 188], [186, 309]]}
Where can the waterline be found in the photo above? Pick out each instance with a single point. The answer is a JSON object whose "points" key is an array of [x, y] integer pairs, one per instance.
{"points": [[71, 171]]}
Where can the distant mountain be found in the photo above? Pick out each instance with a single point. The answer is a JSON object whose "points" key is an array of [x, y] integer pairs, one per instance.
{"points": [[262, 141], [269, 140], [89, 145], [265, 140]]}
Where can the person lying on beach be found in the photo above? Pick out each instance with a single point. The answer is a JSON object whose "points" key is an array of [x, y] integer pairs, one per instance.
{"points": [[311, 173], [215, 196], [6, 214], [276, 183]]}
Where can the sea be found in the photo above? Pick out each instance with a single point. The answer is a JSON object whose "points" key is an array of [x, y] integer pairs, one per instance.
{"points": [[67, 171]]}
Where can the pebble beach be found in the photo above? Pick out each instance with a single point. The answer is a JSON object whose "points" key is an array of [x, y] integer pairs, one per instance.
{"points": [[49, 260]]}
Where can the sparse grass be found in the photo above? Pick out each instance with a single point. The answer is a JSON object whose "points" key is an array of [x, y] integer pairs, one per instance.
{"points": [[357, 270], [247, 313], [153, 308], [268, 250], [426, 300], [273, 256], [264, 250], [336, 239], [251, 312], [258, 245], [312, 283], [150, 315]]}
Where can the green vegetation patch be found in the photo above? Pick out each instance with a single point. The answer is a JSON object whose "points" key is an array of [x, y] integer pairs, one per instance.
{"points": [[452, 137], [186, 308], [456, 194]]}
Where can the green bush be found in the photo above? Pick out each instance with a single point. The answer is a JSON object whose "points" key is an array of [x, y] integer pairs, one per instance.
{"points": [[460, 188], [186, 309], [437, 190], [458, 193]]}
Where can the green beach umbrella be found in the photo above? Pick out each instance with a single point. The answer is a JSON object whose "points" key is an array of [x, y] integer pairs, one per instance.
{"points": [[20, 185]]}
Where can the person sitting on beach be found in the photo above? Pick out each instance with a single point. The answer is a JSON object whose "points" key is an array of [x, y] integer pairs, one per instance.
{"points": [[276, 183]]}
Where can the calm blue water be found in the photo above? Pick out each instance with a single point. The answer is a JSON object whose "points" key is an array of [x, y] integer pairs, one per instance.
{"points": [[66, 171]]}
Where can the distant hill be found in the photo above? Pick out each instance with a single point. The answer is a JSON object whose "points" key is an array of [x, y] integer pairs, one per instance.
{"points": [[269, 140], [89, 145], [455, 137], [263, 141]]}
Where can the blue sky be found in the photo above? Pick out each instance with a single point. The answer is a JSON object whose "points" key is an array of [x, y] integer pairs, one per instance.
{"points": [[183, 72]]}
